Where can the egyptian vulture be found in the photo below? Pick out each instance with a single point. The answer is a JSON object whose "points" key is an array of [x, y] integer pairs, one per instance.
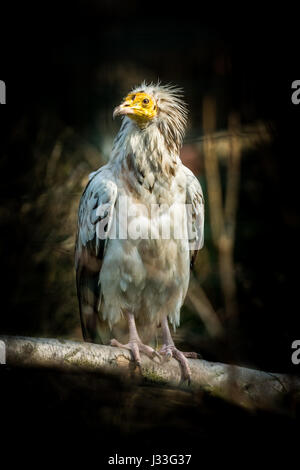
{"points": [[140, 225]]}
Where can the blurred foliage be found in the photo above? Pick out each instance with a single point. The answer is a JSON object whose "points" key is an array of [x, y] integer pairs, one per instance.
{"points": [[44, 217]]}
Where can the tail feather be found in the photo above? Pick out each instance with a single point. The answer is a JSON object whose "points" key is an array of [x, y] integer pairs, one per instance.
{"points": [[94, 330]]}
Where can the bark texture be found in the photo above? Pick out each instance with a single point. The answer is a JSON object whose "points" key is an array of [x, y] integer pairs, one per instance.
{"points": [[245, 387]]}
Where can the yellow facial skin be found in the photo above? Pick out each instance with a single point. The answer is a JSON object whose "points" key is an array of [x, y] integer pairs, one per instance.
{"points": [[140, 107]]}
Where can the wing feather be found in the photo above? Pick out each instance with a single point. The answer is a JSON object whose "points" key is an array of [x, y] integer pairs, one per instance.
{"points": [[194, 196], [95, 216]]}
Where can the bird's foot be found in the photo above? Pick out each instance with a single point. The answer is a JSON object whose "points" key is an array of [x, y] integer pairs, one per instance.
{"points": [[136, 347], [169, 350]]}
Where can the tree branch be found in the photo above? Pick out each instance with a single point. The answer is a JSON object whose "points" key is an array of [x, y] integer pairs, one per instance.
{"points": [[248, 388]]}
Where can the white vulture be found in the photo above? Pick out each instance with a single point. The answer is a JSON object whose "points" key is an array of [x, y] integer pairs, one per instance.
{"points": [[140, 225]]}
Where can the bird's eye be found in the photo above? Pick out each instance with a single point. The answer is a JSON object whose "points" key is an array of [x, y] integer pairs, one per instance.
{"points": [[145, 101]]}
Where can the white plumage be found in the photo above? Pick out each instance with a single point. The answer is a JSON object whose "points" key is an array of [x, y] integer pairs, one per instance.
{"points": [[143, 275]]}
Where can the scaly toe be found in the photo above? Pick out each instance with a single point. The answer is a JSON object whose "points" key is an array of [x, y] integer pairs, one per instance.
{"points": [[148, 351], [192, 355], [185, 368], [114, 343], [166, 352], [136, 348], [156, 354]]}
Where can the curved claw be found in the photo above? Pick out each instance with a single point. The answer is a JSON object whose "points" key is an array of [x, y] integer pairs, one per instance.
{"points": [[192, 355], [188, 379], [156, 354], [136, 347], [167, 356], [168, 351]]}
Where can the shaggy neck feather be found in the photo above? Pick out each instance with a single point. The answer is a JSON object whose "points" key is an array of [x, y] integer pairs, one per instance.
{"points": [[145, 150]]}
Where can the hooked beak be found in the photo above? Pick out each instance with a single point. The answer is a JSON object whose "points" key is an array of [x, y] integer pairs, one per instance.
{"points": [[123, 109]]}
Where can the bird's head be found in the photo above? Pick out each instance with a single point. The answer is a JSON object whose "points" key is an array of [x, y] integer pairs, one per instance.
{"points": [[139, 106], [157, 106]]}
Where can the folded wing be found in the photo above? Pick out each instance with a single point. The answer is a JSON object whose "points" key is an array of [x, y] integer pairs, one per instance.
{"points": [[94, 221], [194, 197]]}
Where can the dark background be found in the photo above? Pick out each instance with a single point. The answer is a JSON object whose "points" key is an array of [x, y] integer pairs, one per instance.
{"points": [[66, 66]]}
